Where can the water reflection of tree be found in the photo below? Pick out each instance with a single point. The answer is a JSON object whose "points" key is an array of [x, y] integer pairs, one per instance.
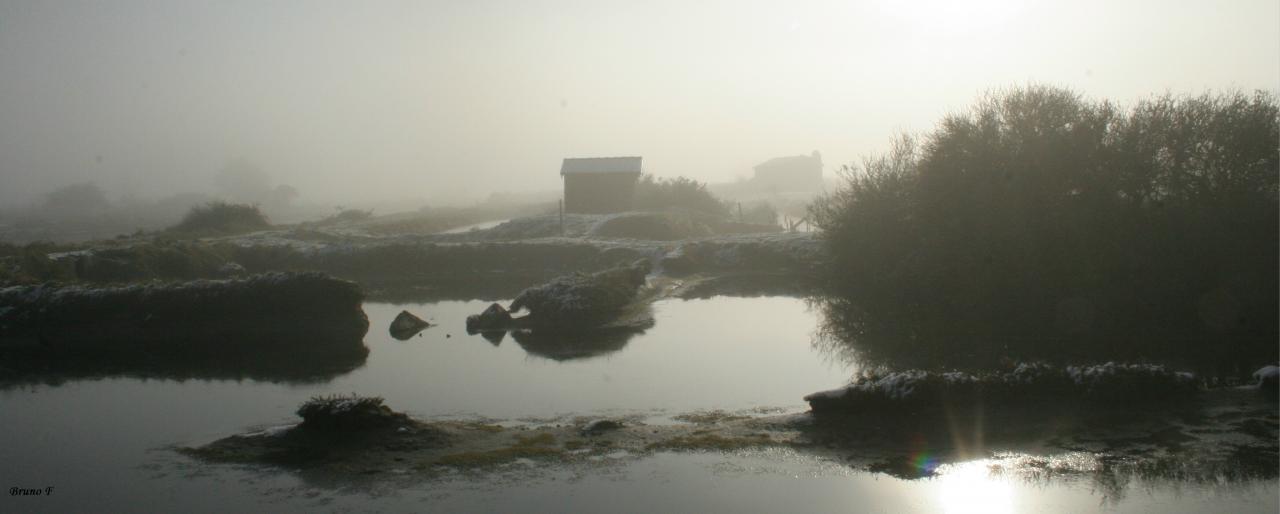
{"points": [[869, 341], [1113, 477], [888, 339]]}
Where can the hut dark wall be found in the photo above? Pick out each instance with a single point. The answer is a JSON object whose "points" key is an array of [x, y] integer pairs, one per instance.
{"points": [[597, 185], [598, 193]]}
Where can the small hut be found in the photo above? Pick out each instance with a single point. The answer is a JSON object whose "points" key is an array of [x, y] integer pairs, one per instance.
{"points": [[599, 185]]}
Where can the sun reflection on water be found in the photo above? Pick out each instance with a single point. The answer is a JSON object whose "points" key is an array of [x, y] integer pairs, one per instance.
{"points": [[970, 487]]}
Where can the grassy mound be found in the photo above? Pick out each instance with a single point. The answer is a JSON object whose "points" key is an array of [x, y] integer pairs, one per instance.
{"points": [[221, 218], [197, 319], [347, 413], [581, 300]]}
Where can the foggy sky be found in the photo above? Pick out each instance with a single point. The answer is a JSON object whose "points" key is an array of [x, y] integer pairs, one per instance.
{"points": [[359, 101]]}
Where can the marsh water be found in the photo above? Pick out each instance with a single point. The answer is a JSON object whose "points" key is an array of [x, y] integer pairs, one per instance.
{"points": [[106, 444]]}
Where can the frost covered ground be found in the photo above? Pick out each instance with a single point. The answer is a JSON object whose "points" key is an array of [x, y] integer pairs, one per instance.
{"points": [[485, 263]]}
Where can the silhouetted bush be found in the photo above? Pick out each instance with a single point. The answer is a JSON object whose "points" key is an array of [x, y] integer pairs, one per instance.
{"points": [[222, 218], [657, 194], [1040, 223]]}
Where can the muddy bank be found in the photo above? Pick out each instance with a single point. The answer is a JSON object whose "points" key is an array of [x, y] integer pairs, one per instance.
{"points": [[304, 317], [1223, 435]]}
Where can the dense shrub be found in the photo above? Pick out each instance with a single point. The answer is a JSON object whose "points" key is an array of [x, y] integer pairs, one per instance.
{"points": [[222, 218], [657, 194], [1042, 223]]}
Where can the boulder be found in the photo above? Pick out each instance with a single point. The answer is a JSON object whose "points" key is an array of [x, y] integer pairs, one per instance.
{"points": [[407, 325], [493, 318]]}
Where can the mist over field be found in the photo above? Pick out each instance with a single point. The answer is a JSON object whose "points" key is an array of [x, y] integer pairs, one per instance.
{"points": [[404, 104]]}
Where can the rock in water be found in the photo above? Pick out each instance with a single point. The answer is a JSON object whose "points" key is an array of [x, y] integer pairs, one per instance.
{"points": [[493, 318], [407, 325]]}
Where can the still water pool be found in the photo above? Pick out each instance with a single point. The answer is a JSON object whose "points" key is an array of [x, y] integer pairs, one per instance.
{"points": [[105, 445]]}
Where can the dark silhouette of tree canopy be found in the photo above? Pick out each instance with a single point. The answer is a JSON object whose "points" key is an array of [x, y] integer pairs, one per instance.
{"points": [[1042, 223]]}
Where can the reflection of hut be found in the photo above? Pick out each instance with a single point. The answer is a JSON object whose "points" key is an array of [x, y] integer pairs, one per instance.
{"points": [[795, 173], [599, 185]]}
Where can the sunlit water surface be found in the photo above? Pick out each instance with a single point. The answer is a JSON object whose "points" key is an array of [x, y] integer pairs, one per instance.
{"points": [[106, 445]]}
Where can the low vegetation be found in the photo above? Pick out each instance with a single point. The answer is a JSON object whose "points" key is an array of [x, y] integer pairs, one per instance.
{"points": [[347, 413], [655, 194], [1041, 224], [653, 226], [222, 218]]}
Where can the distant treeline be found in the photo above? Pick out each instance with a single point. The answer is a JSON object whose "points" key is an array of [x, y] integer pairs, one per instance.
{"points": [[1039, 223]]}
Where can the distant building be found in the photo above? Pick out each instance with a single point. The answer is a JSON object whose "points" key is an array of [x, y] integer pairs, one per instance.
{"points": [[599, 185], [790, 174]]}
